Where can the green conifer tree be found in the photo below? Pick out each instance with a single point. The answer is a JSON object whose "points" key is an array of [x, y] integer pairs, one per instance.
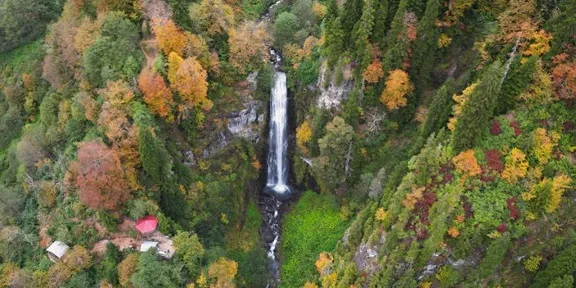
{"points": [[154, 157], [396, 42], [425, 46], [478, 109], [380, 18], [350, 15], [563, 27], [517, 80], [438, 112], [362, 34], [333, 32]]}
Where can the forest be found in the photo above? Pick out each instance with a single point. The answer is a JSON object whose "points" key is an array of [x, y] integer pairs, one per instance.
{"points": [[428, 143]]}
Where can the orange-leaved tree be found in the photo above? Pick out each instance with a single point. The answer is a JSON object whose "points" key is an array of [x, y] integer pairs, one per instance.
{"points": [[398, 86], [564, 77], [373, 72], [467, 164], [156, 93], [99, 177]]}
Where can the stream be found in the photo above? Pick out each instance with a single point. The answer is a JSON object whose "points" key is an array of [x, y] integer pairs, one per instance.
{"points": [[277, 189]]}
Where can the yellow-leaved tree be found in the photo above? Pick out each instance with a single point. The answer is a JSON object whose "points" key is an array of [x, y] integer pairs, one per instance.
{"points": [[223, 272], [398, 86], [546, 195], [174, 61], [457, 108], [543, 144], [303, 136], [170, 38], [516, 166], [190, 82]]}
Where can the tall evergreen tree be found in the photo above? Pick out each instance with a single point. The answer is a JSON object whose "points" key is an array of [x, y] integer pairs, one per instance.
{"points": [[425, 46], [517, 80], [396, 41], [478, 109], [380, 18], [563, 26], [418, 6], [155, 159], [350, 15], [362, 35], [438, 111], [333, 32]]}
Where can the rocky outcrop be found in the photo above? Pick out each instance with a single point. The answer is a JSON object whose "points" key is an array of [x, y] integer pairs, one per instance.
{"points": [[246, 123], [333, 93]]}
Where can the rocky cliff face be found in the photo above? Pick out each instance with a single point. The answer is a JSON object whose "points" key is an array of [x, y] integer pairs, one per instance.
{"points": [[334, 86], [245, 122]]}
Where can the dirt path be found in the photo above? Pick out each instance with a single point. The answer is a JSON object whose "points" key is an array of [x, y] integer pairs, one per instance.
{"points": [[150, 49]]}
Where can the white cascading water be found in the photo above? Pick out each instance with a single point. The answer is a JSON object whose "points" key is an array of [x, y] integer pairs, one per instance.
{"points": [[278, 137], [277, 178]]}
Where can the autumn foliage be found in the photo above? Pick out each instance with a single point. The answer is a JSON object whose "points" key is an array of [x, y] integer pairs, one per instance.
{"points": [[323, 262], [170, 37], [373, 72], [156, 94], [543, 144], [564, 77], [126, 268], [99, 177], [493, 160], [174, 62], [413, 197], [190, 82], [516, 166], [303, 135], [398, 86], [223, 271], [457, 107], [546, 195], [467, 164], [248, 45]]}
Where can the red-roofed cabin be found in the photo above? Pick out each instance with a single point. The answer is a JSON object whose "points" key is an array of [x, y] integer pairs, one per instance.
{"points": [[147, 225]]}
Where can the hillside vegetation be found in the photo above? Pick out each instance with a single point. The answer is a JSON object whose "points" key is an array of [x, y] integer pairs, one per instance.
{"points": [[435, 140]]}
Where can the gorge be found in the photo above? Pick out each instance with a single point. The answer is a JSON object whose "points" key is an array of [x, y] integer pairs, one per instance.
{"points": [[276, 189]]}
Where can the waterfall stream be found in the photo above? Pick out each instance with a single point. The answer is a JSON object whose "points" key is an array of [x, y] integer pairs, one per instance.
{"points": [[277, 187], [278, 137]]}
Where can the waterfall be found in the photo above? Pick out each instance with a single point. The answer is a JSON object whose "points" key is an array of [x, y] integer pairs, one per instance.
{"points": [[278, 136], [277, 177]]}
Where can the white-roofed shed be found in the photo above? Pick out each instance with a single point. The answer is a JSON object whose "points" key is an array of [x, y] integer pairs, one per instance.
{"points": [[56, 250], [147, 245]]}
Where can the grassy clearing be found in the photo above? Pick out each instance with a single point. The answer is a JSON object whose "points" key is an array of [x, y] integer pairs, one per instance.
{"points": [[314, 225]]}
